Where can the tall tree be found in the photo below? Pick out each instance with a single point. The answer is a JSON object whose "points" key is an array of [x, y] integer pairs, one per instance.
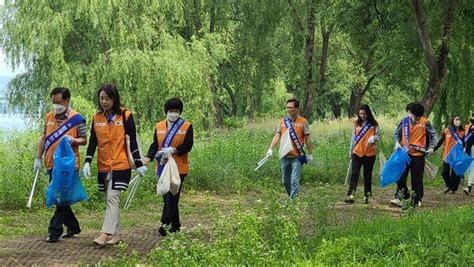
{"points": [[437, 62]]}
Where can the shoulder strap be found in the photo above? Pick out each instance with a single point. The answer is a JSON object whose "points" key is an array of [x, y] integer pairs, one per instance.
{"points": [[61, 131]]}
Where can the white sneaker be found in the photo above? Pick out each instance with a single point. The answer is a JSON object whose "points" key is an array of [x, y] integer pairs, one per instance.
{"points": [[396, 202], [419, 203]]}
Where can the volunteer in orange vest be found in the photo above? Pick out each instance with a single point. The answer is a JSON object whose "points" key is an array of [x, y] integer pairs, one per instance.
{"points": [[413, 135], [365, 134], [448, 140], [109, 126], [180, 143], [291, 163], [55, 128], [469, 148]]}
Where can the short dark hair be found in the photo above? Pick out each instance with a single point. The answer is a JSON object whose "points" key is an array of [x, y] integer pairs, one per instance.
{"points": [[295, 101], [174, 103], [112, 92], [417, 109], [65, 93], [408, 107]]}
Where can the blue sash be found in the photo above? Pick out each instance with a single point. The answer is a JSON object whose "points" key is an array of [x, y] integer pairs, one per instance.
{"points": [[296, 141], [167, 142], [454, 134], [469, 134], [406, 130], [60, 131], [362, 132]]}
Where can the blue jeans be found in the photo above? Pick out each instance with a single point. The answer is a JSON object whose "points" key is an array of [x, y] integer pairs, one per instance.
{"points": [[290, 175]]}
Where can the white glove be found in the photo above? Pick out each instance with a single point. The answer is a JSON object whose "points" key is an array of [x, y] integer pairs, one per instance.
{"points": [[37, 165], [269, 152], [142, 170], [371, 140], [86, 170], [430, 152], [397, 145], [167, 152], [309, 158]]}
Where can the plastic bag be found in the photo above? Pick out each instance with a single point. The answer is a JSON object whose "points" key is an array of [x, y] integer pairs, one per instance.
{"points": [[458, 159], [394, 167], [65, 187], [169, 178], [285, 145]]}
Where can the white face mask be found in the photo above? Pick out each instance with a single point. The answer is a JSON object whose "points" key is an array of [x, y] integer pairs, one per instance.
{"points": [[172, 116], [58, 109], [457, 123]]}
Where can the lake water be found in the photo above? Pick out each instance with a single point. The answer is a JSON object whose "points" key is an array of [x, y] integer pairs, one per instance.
{"points": [[12, 121]]}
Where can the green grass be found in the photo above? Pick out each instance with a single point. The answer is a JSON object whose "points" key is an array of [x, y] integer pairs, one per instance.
{"points": [[246, 217]]}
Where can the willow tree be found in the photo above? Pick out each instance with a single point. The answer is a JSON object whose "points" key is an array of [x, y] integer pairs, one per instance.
{"points": [[82, 44]]}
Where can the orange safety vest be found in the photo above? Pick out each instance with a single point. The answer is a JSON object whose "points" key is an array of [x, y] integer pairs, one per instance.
{"points": [[112, 150], [361, 149], [467, 127], [161, 132], [417, 136], [298, 125], [450, 141], [51, 126]]}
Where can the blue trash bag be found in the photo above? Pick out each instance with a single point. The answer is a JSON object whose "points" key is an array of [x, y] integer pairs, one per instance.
{"points": [[65, 187], [458, 159], [394, 167]]}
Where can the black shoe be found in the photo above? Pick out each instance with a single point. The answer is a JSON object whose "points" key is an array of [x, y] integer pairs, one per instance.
{"points": [[52, 239], [70, 234], [162, 231], [349, 201], [446, 190], [175, 229], [366, 200]]}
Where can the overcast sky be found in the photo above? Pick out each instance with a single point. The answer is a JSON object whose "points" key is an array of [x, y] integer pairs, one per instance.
{"points": [[5, 69]]}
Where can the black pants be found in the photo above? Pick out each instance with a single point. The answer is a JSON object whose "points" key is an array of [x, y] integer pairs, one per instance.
{"points": [[416, 168], [62, 215], [450, 178], [357, 163], [170, 214]]}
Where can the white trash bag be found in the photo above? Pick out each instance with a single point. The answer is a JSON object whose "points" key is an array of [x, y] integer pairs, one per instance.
{"points": [[285, 145], [169, 180]]}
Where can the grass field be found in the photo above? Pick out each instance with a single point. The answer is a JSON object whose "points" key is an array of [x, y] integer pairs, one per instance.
{"points": [[235, 216]]}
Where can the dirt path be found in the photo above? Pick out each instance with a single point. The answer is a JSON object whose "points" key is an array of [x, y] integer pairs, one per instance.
{"points": [[33, 250]]}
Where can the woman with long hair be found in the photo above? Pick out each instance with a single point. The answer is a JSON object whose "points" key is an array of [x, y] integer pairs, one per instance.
{"points": [[365, 133], [451, 134], [110, 125]]}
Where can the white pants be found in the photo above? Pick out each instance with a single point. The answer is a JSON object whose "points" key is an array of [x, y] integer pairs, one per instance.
{"points": [[111, 225]]}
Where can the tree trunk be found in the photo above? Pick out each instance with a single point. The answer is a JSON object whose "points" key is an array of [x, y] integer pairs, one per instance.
{"points": [[308, 99], [325, 33], [335, 108], [354, 102], [437, 66], [356, 96]]}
